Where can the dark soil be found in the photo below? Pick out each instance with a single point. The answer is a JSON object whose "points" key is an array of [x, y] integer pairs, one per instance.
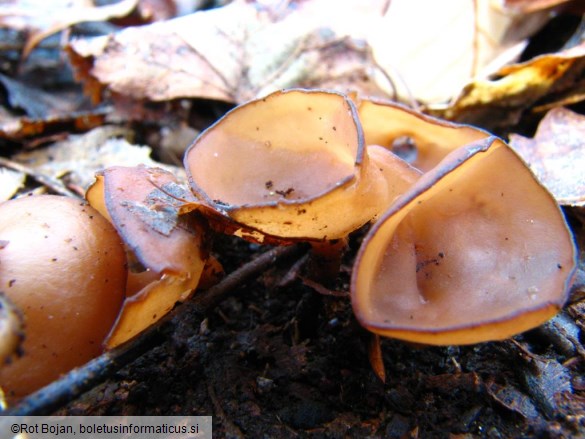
{"points": [[287, 361]]}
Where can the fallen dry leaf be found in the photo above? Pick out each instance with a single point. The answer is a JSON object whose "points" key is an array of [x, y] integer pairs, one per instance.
{"points": [[432, 50], [234, 53], [546, 380], [556, 154], [10, 182], [512, 399], [36, 103], [500, 102], [41, 18], [43, 110], [81, 156], [247, 49]]}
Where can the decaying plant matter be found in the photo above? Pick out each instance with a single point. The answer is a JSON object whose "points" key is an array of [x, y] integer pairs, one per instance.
{"points": [[466, 246]]}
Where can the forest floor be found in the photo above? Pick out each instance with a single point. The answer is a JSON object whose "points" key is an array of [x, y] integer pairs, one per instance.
{"points": [[279, 356]]}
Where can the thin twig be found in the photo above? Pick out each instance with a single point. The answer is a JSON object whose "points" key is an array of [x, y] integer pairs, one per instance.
{"points": [[210, 298], [52, 183], [230, 427], [84, 378], [70, 386]]}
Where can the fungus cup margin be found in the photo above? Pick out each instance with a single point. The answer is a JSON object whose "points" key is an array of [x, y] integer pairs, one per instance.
{"points": [[167, 250], [450, 239], [387, 123], [291, 166]]}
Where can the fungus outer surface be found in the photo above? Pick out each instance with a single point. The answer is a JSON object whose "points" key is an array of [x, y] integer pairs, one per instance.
{"points": [[170, 246], [477, 250], [64, 267]]}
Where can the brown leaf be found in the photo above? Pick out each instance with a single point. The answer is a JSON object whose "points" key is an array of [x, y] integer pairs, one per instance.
{"points": [[501, 101], [431, 50], [79, 157], [556, 154], [43, 110], [233, 53], [41, 18]]}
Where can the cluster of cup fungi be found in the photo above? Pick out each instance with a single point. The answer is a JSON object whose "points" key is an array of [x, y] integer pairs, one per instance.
{"points": [[465, 245]]}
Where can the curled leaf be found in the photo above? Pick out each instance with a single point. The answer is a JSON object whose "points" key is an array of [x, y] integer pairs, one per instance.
{"points": [[457, 41], [42, 19], [501, 101]]}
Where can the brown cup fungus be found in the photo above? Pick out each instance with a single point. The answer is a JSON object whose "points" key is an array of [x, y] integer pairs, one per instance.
{"points": [[166, 250], [292, 166], [476, 250], [63, 266], [421, 140]]}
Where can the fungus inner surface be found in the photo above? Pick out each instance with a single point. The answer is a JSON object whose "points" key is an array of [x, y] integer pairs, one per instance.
{"points": [[288, 146], [421, 140], [482, 244]]}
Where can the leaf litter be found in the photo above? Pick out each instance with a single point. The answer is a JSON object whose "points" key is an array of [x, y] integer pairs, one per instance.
{"points": [[177, 70], [556, 154]]}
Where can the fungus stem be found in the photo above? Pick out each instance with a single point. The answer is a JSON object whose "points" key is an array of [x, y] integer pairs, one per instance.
{"points": [[375, 357], [325, 259]]}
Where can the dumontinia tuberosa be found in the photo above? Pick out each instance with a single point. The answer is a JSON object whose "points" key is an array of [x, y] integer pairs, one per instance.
{"points": [[475, 250], [293, 166], [62, 265], [421, 140], [167, 251]]}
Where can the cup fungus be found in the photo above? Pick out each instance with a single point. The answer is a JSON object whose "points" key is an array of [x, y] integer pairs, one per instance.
{"points": [[421, 140], [63, 265], [476, 250], [292, 166], [167, 251]]}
